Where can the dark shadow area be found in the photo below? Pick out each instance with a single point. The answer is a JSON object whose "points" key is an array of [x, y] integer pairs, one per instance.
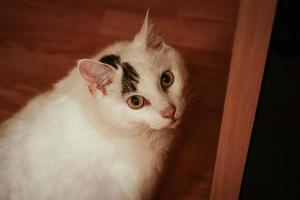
{"points": [[271, 169]]}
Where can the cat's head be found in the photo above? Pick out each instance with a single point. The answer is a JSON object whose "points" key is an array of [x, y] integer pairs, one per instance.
{"points": [[140, 83]]}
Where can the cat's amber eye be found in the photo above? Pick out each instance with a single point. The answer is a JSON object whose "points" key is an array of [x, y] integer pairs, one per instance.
{"points": [[135, 102], [166, 79]]}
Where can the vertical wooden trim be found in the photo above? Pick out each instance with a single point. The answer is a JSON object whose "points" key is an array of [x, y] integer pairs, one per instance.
{"points": [[254, 26]]}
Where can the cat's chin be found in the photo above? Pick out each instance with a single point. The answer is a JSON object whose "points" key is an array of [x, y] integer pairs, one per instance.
{"points": [[172, 125]]}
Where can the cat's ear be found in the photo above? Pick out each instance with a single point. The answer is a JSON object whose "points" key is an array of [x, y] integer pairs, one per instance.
{"points": [[97, 75], [148, 36]]}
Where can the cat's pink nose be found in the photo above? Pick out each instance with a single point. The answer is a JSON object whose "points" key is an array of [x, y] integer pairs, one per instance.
{"points": [[168, 112]]}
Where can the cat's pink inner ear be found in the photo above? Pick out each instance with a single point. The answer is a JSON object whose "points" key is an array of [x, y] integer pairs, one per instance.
{"points": [[98, 75]]}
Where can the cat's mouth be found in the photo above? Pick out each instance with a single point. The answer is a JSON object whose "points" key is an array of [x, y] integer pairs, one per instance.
{"points": [[174, 123], [170, 123], [174, 120]]}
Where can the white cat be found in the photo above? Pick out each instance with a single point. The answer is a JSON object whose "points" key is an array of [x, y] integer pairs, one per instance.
{"points": [[103, 131]]}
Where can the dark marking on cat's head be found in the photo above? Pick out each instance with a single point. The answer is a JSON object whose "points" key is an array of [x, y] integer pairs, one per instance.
{"points": [[130, 75], [129, 79], [112, 60]]}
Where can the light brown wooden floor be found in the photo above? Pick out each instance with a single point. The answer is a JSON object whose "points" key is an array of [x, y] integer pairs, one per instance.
{"points": [[40, 42]]}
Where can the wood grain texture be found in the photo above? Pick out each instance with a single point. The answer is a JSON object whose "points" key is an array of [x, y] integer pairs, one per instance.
{"points": [[254, 27], [40, 41]]}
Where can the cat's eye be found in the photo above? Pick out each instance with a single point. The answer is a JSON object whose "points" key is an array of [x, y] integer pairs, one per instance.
{"points": [[166, 79], [135, 102]]}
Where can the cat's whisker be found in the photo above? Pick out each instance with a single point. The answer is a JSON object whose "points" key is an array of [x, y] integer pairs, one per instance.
{"points": [[145, 130], [150, 133], [195, 101], [192, 99], [192, 109], [192, 106], [199, 102], [153, 134], [138, 129], [141, 129], [192, 95], [191, 86]]}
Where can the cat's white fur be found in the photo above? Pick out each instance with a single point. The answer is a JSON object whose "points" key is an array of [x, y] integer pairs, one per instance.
{"points": [[70, 144]]}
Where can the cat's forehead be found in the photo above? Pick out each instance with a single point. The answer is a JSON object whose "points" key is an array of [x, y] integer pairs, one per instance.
{"points": [[135, 71], [142, 59]]}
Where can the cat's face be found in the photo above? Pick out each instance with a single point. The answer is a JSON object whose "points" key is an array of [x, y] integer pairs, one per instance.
{"points": [[142, 84]]}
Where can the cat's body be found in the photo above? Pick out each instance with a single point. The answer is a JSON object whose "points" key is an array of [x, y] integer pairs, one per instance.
{"points": [[81, 141]]}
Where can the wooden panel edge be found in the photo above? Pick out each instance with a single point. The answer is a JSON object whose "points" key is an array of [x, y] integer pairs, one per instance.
{"points": [[254, 26]]}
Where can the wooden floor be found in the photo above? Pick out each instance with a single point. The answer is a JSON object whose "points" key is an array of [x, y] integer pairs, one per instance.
{"points": [[40, 42]]}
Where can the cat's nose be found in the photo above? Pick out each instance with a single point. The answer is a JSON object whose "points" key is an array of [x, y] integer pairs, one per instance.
{"points": [[168, 112]]}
